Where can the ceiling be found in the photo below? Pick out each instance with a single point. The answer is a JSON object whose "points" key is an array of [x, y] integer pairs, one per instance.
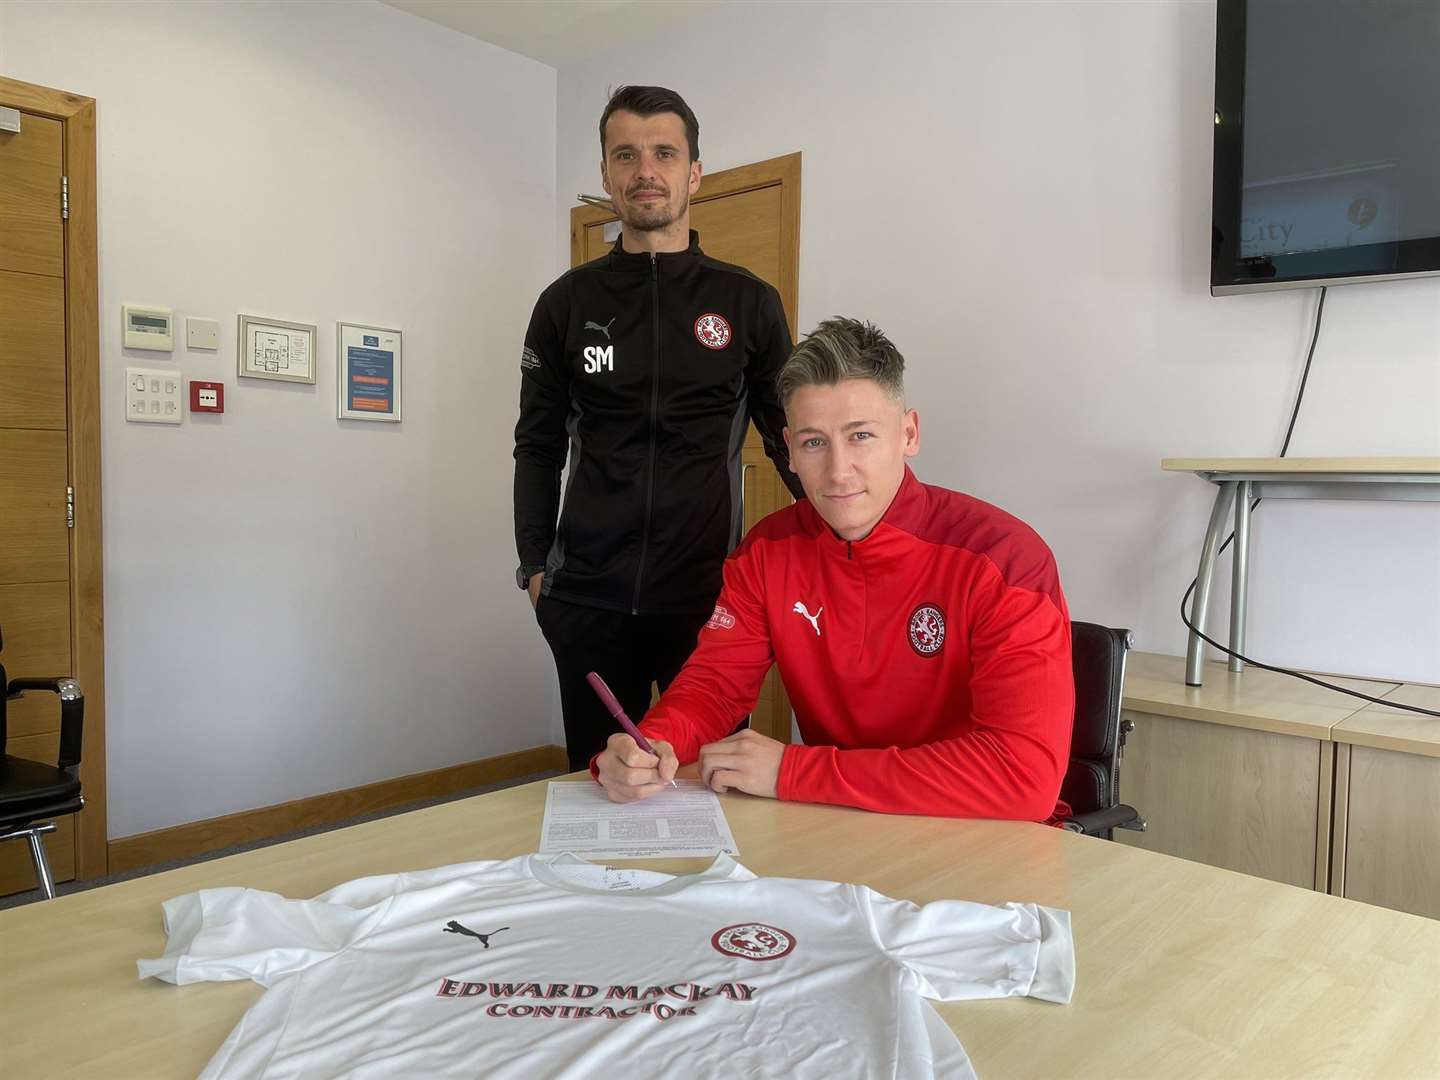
{"points": [[557, 32]]}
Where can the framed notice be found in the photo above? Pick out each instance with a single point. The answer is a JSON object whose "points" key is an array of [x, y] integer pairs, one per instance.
{"points": [[275, 349], [368, 365]]}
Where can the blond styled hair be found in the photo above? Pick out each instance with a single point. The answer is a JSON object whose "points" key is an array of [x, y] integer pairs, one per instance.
{"points": [[841, 348]]}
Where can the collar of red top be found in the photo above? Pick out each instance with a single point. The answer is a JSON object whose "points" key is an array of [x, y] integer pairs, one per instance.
{"points": [[906, 513]]}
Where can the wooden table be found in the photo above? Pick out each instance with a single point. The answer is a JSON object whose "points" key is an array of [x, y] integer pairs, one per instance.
{"points": [[1183, 970], [1238, 480]]}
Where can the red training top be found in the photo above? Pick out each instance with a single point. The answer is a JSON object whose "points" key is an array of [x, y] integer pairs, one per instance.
{"points": [[928, 664]]}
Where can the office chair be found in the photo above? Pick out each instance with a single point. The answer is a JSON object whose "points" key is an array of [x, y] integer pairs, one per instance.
{"points": [[1092, 782], [31, 791]]}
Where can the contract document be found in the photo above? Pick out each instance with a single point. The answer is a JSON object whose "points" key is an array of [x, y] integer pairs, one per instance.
{"points": [[683, 821]]}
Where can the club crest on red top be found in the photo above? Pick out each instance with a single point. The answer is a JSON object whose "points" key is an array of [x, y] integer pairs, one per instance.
{"points": [[927, 629]]}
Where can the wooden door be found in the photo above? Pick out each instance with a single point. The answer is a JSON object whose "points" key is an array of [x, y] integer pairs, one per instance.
{"points": [[49, 448], [749, 216]]}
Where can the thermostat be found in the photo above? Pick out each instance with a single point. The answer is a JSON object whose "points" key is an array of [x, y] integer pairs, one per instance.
{"points": [[149, 327]]}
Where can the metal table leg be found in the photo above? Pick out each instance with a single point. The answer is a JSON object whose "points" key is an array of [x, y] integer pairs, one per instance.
{"points": [[37, 856], [1195, 652], [1240, 575]]}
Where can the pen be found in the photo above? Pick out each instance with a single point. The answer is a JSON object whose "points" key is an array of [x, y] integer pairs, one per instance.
{"points": [[598, 685]]}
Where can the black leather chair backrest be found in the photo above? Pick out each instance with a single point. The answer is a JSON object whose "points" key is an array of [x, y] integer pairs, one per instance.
{"points": [[1098, 659]]}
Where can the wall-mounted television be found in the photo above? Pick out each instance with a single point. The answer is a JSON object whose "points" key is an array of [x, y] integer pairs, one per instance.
{"points": [[1327, 143]]}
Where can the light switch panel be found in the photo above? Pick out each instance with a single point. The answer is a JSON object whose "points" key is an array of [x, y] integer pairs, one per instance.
{"points": [[153, 396]]}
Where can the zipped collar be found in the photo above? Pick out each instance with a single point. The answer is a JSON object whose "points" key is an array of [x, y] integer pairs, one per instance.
{"points": [[903, 516], [620, 259]]}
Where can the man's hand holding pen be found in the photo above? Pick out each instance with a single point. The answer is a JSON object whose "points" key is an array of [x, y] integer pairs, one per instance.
{"points": [[629, 773], [746, 761]]}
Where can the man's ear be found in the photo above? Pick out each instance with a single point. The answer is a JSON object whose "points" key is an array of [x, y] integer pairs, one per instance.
{"points": [[696, 169], [788, 448], [910, 431], [605, 177]]}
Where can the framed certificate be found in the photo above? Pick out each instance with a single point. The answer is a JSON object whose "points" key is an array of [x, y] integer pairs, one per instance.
{"points": [[275, 349], [368, 365]]}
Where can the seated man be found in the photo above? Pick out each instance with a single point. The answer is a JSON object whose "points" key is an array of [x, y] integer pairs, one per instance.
{"points": [[921, 634]]}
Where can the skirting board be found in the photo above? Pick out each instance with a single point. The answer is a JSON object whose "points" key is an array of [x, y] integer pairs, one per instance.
{"points": [[198, 837]]}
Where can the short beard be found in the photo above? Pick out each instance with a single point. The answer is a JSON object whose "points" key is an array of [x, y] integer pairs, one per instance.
{"points": [[656, 219]]}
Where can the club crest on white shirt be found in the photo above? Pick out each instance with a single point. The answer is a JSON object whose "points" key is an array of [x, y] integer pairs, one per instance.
{"points": [[804, 612], [712, 331], [754, 941], [927, 629]]}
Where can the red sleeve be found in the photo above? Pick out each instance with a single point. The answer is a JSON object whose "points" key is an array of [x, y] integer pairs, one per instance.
{"points": [[1011, 760], [721, 681]]}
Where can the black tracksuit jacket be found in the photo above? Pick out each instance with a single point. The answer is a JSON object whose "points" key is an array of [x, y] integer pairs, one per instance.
{"points": [[645, 369]]}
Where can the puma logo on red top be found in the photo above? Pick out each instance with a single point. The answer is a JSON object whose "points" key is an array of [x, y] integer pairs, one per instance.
{"points": [[804, 612]]}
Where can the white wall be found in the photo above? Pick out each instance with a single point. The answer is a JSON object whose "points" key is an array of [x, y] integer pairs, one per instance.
{"points": [[296, 605], [1019, 193]]}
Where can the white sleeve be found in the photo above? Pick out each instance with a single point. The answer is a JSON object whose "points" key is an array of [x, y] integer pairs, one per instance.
{"points": [[222, 934], [960, 951]]}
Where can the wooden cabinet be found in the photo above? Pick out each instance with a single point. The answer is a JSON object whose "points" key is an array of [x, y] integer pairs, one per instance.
{"points": [[1283, 780], [1243, 800], [1387, 805], [1388, 834], [1251, 772]]}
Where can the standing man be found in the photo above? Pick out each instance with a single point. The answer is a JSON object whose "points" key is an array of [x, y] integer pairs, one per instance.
{"points": [[645, 366]]}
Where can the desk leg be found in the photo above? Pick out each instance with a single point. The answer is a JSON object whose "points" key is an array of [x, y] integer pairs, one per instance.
{"points": [[1195, 653], [1240, 574]]}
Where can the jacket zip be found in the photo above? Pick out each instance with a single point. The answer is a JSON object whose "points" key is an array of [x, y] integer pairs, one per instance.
{"points": [[654, 419]]}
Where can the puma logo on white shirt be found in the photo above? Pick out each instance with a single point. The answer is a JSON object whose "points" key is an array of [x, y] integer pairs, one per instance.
{"points": [[813, 620]]}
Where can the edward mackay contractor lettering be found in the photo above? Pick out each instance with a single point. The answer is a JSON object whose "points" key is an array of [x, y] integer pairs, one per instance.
{"points": [[628, 1001]]}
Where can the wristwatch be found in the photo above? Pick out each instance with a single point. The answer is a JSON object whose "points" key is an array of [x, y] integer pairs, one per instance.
{"points": [[524, 572]]}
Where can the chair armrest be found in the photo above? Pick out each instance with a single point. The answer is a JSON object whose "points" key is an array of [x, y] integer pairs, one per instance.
{"points": [[72, 713], [1099, 822]]}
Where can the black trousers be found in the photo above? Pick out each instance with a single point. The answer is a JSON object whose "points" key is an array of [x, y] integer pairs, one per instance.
{"points": [[628, 651]]}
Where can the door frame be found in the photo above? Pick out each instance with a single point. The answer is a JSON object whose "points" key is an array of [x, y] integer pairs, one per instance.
{"points": [[783, 171], [82, 362]]}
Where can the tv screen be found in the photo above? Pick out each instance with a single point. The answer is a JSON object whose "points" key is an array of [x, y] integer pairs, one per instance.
{"points": [[1327, 143]]}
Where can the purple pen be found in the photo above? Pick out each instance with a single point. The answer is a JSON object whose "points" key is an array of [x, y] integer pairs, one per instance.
{"points": [[612, 704]]}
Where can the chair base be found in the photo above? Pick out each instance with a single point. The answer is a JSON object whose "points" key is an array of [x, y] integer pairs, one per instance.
{"points": [[37, 853]]}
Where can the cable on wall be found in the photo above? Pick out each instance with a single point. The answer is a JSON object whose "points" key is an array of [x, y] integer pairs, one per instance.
{"points": [[1284, 447]]}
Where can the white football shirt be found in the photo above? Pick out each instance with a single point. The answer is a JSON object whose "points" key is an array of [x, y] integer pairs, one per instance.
{"points": [[555, 967]]}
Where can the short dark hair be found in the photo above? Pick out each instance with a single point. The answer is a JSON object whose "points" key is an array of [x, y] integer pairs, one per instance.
{"points": [[648, 101], [839, 349]]}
